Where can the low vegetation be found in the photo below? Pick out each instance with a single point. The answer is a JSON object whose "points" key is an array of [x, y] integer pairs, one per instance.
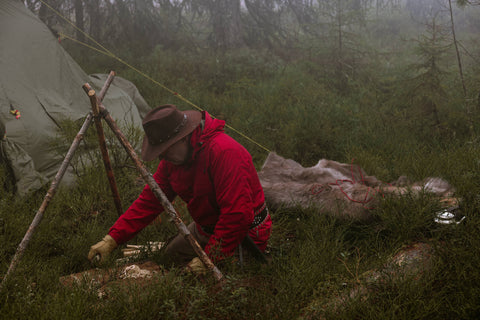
{"points": [[405, 117]]}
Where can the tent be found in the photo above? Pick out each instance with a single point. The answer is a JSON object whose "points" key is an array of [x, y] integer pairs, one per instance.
{"points": [[39, 79]]}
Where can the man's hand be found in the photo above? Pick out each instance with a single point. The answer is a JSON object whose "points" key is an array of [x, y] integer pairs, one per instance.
{"points": [[196, 266], [102, 248]]}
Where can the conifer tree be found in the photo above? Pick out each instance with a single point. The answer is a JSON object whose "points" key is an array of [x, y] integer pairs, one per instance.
{"points": [[425, 88]]}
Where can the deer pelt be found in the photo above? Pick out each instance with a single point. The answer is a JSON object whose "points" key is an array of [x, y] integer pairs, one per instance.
{"points": [[344, 190]]}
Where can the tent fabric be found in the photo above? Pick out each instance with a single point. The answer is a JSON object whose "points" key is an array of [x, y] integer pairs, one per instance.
{"points": [[40, 79]]}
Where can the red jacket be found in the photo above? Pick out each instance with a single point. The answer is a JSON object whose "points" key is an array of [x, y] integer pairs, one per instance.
{"points": [[220, 186]]}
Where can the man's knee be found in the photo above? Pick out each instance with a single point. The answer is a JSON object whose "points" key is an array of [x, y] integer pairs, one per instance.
{"points": [[180, 251]]}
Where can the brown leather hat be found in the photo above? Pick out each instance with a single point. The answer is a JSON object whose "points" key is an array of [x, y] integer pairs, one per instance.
{"points": [[164, 126]]}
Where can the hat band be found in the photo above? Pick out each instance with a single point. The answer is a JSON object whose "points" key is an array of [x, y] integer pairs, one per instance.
{"points": [[175, 131]]}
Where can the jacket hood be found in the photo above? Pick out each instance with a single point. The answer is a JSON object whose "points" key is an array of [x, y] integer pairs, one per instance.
{"points": [[205, 132]]}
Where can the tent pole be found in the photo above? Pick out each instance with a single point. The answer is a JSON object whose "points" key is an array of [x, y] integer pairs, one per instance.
{"points": [[94, 101], [148, 178], [53, 187]]}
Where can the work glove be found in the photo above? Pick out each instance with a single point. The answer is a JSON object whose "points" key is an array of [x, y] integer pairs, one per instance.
{"points": [[102, 248], [196, 266]]}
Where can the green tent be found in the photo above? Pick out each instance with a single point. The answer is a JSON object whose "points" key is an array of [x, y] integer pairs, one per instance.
{"points": [[40, 80]]}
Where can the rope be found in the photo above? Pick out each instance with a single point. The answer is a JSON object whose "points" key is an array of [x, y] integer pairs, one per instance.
{"points": [[319, 188], [107, 52]]}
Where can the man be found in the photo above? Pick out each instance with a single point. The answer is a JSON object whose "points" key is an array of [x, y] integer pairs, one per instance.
{"points": [[208, 170]]}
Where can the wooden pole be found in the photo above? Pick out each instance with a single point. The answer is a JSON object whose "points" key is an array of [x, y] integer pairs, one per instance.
{"points": [[48, 197], [53, 187], [101, 139], [148, 178]]}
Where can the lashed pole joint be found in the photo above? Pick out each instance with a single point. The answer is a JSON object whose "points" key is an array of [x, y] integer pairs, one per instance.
{"points": [[94, 101], [167, 206]]}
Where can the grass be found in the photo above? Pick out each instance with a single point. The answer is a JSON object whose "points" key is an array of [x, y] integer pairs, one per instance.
{"points": [[316, 258]]}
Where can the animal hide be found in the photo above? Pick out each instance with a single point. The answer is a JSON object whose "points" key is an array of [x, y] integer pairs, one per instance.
{"points": [[344, 190], [123, 277]]}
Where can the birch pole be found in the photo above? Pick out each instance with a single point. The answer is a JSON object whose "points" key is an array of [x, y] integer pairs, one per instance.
{"points": [[52, 190], [48, 197], [103, 145]]}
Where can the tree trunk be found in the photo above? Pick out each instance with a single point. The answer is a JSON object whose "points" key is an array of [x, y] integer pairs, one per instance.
{"points": [[79, 20], [226, 23], [456, 49], [93, 10], [235, 29], [42, 13]]}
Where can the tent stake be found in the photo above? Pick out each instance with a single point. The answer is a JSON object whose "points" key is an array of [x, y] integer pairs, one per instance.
{"points": [[148, 178], [103, 145], [53, 187]]}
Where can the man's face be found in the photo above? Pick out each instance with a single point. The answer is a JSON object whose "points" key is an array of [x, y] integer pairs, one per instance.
{"points": [[178, 152]]}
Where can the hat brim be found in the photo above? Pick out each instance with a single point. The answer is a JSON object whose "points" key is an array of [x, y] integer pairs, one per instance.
{"points": [[150, 152]]}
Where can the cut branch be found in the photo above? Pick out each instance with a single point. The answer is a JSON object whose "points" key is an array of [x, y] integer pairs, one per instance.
{"points": [[94, 101], [48, 197]]}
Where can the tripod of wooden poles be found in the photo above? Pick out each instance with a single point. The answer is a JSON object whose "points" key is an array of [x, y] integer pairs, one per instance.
{"points": [[98, 112]]}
